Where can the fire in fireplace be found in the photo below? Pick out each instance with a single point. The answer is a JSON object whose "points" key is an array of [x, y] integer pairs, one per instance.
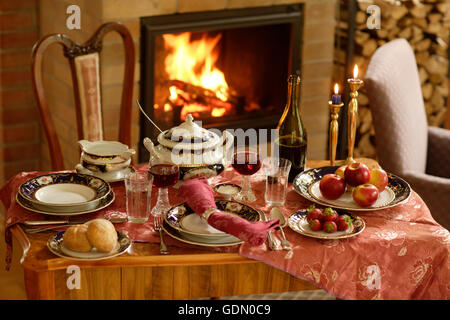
{"points": [[226, 68], [194, 83]]}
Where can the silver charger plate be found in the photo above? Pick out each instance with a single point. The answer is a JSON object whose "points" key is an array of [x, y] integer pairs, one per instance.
{"points": [[64, 192], [24, 203], [306, 184], [56, 246], [183, 219], [228, 240]]}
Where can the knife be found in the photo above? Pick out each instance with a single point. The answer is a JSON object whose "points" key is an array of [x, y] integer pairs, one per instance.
{"points": [[53, 222], [270, 239]]}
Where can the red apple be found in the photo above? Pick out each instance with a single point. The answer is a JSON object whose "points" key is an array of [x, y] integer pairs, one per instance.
{"points": [[379, 178], [365, 194], [340, 171], [357, 173], [332, 186]]}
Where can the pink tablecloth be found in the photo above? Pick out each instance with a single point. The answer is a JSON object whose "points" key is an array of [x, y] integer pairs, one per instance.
{"points": [[137, 232], [402, 254]]}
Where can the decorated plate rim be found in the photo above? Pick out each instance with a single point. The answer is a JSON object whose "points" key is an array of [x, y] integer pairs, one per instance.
{"points": [[122, 247], [294, 226], [106, 202], [205, 234], [310, 197], [179, 237], [109, 180], [96, 199]]}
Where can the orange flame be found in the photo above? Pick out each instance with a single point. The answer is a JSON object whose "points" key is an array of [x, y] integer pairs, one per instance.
{"points": [[173, 93], [218, 112], [194, 62]]}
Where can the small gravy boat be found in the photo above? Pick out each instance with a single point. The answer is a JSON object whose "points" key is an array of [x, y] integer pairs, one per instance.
{"points": [[105, 156]]}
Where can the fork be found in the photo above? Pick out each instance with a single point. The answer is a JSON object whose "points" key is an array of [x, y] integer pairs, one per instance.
{"points": [[158, 227]]}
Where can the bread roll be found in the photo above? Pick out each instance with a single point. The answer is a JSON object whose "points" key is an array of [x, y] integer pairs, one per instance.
{"points": [[75, 238], [102, 235]]}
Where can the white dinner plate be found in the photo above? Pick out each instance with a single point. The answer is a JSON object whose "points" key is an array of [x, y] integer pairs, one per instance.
{"points": [[228, 240], [55, 211], [346, 200], [65, 193]]}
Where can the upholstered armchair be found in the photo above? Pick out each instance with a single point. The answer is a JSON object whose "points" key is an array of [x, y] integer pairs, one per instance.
{"points": [[406, 145]]}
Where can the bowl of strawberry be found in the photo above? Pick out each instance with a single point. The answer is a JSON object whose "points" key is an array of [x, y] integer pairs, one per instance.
{"points": [[326, 223]]}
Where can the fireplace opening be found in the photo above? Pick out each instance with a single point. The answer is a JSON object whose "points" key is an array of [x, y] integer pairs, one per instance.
{"points": [[226, 68]]}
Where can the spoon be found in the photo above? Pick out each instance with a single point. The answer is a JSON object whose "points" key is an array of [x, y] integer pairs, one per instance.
{"points": [[276, 213], [148, 118]]}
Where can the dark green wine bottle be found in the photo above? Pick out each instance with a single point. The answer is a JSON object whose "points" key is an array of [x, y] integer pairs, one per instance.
{"points": [[292, 139]]}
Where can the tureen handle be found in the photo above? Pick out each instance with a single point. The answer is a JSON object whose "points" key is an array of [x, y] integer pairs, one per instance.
{"points": [[84, 144], [127, 154]]}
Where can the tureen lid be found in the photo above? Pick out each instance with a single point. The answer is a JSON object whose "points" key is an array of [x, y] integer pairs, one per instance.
{"points": [[188, 135]]}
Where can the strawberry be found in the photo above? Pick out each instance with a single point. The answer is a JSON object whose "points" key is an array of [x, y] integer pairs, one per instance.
{"points": [[314, 213], [344, 222], [330, 215], [315, 225], [329, 226]]}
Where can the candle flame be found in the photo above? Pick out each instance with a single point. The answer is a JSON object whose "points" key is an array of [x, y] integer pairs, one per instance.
{"points": [[355, 72], [336, 88]]}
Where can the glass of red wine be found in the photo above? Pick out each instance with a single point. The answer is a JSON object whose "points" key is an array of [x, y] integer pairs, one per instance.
{"points": [[246, 163], [164, 176]]}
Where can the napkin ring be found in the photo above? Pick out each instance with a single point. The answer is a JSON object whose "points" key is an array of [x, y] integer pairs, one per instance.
{"points": [[207, 213]]}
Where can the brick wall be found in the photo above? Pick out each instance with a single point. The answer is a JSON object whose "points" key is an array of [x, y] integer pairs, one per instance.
{"points": [[27, 149], [19, 123]]}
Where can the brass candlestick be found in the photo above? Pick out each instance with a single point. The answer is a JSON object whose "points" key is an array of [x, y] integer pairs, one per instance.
{"points": [[355, 84], [334, 129]]}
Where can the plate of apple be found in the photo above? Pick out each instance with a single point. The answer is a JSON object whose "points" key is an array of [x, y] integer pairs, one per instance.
{"points": [[352, 187]]}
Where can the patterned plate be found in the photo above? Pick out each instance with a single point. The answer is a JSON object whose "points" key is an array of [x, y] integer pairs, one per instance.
{"points": [[225, 241], [56, 246], [306, 184], [183, 219], [112, 176], [297, 222], [65, 192], [48, 211]]}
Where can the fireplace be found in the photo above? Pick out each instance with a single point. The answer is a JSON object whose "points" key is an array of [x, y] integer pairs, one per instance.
{"points": [[227, 68]]}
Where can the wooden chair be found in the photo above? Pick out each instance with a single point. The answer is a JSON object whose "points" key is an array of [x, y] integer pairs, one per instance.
{"points": [[84, 66]]}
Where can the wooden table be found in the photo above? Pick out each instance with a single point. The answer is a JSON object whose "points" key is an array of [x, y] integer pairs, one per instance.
{"points": [[142, 273]]}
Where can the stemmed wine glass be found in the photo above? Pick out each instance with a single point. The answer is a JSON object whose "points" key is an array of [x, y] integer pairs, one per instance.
{"points": [[164, 176], [246, 163]]}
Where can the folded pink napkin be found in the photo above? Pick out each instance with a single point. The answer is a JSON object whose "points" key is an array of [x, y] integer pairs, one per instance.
{"points": [[200, 198]]}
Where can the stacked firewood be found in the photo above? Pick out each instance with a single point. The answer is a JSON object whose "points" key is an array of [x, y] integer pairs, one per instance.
{"points": [[425, 25]]}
